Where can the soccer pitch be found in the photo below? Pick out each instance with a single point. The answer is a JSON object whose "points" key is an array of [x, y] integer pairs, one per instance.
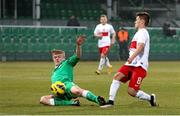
{"points": [[23, 83]]}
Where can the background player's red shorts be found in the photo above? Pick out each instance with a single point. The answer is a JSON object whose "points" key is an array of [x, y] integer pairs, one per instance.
{"points": [[134, 74], [104, 50]]}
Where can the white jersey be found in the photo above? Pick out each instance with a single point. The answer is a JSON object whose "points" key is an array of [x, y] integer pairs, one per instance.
{"points": [[106, 30], [141, 36]]}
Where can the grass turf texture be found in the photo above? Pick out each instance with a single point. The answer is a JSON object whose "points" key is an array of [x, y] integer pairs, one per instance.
{"points": [[23, 83]]}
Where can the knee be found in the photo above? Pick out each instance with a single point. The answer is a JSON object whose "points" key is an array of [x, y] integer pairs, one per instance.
{"points": [[77, 92], [42, 99], [45, 100], [118, 76], [131, 92], [103, 55]]}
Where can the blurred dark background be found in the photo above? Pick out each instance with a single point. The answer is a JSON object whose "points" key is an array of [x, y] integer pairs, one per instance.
{"points": [[31, 28]]}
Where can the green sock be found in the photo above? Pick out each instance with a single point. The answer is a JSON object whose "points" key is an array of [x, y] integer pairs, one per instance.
{"points": [[91, 97], [63, 102]]}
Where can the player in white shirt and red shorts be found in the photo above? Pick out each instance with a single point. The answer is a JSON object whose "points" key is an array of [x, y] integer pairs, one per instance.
{"points": [[103, 32], [135, 69]]}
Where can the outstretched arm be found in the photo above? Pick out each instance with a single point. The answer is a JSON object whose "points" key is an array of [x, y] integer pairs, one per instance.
{"points": [[79, 41]]}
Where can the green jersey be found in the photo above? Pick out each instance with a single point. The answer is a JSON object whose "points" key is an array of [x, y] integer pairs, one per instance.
{"points": [[64, 72]]}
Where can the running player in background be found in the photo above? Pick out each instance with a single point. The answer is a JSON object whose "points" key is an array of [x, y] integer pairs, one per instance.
{"points": [[135, 69], [103, 32], [63, 72]]}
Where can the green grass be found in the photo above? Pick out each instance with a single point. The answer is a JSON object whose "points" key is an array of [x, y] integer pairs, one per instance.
{"points": [[23, 83]]}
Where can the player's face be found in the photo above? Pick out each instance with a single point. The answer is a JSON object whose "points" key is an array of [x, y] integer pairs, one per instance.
{"points": [[58, 58], [103, 20], [137, 22]]}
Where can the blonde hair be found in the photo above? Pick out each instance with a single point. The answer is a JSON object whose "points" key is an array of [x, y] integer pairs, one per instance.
{"points": [[55, 52], [103, 15]]}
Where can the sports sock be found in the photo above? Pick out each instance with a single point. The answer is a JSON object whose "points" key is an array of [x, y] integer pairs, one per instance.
{"points": [[113, 89], [142, 95], [107, 62], [90, 96], [101, 63], [51, 101], [58, 102]]}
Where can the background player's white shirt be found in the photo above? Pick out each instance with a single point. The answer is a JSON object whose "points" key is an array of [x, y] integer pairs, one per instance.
{"points": [[141, 36], [106, 30]]}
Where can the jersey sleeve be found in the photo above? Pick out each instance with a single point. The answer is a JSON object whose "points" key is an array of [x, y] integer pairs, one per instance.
{"points": [[112, 29], [142, 37], [96, 30], [73, 60]]}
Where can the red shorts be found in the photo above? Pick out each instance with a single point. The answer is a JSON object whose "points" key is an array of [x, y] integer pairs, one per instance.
{"points": [[134, 74], [104, 50]]}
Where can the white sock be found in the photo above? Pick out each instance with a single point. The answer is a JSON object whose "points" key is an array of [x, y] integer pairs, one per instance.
{"points": [[84, 93], [101, 63], [142, 95], [113, 89], [107, 62], [51, 102]]}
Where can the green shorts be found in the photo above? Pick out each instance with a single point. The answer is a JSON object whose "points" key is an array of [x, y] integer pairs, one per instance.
{"points": [[67, 95], [69, 85]]}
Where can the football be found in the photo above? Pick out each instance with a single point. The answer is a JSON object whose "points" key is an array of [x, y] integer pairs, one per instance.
{"points": [[58, 88]]}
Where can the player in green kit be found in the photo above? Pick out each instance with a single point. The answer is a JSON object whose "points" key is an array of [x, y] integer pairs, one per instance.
{"points": [[63, 72]]}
